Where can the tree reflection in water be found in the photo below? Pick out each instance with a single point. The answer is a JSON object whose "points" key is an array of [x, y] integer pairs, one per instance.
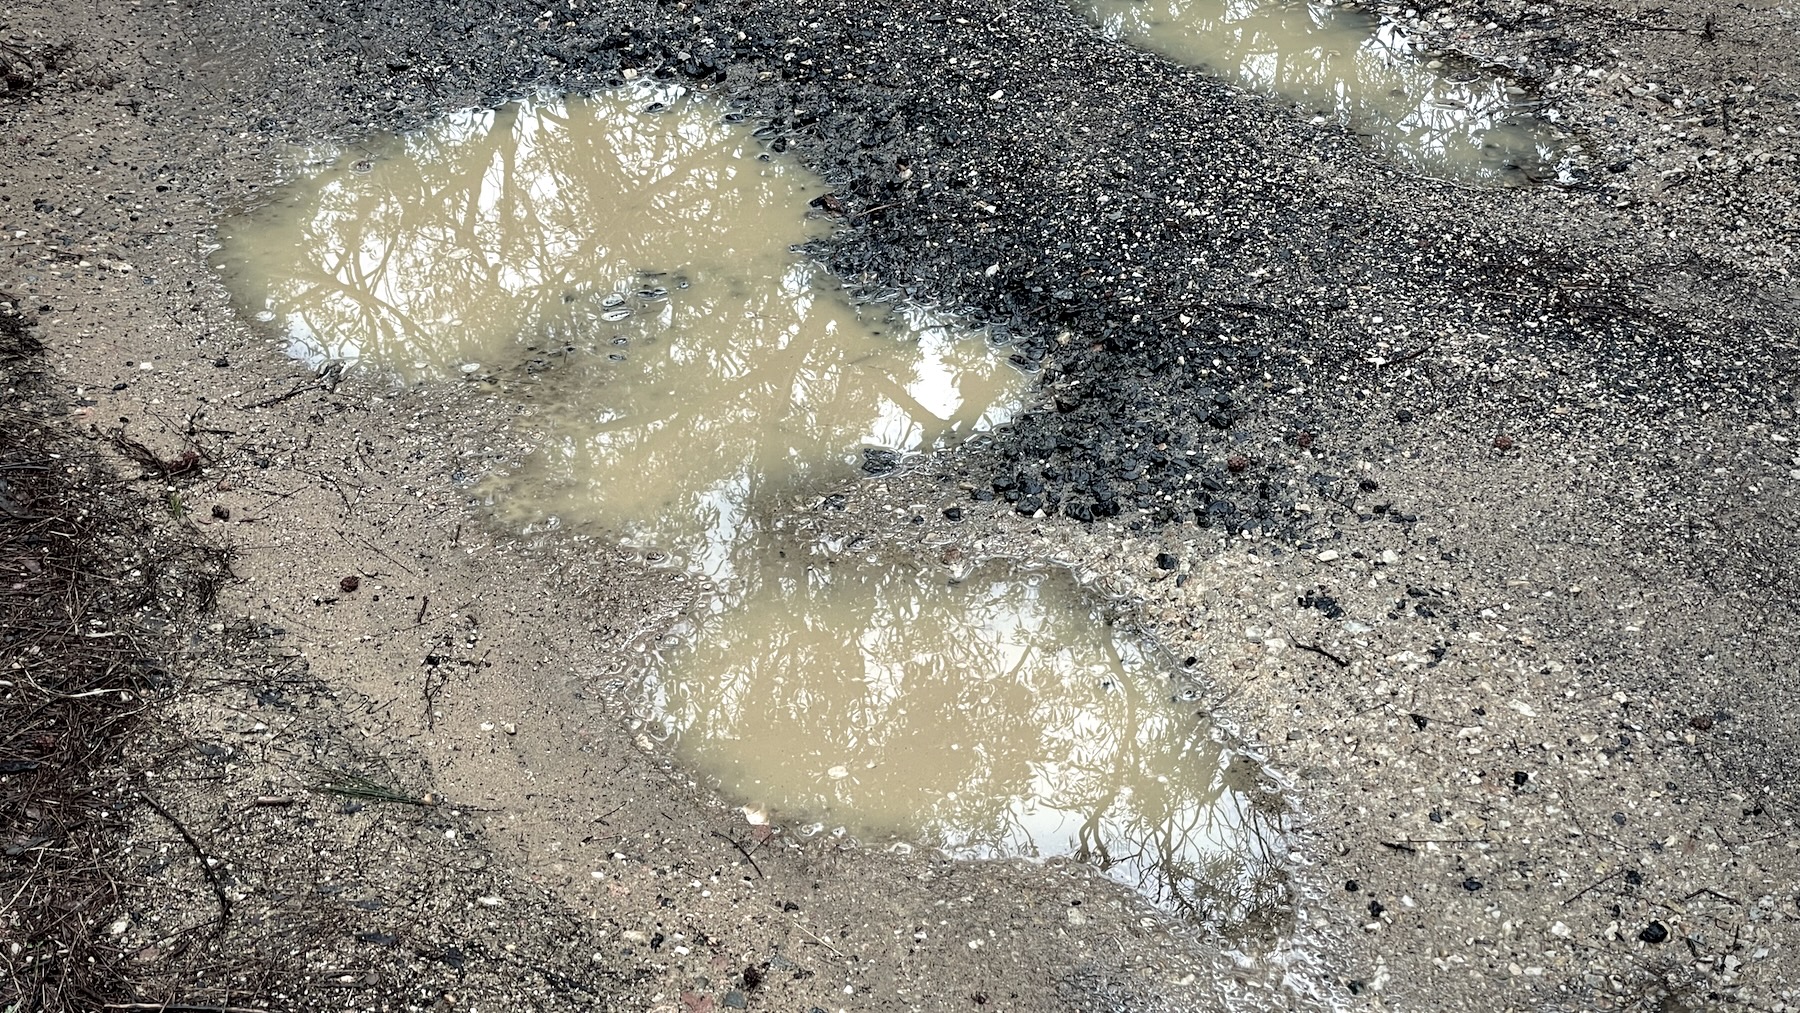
{"points": [[998, 717], [623, 266], [1361, 71], [624, 262], [477, 235]]}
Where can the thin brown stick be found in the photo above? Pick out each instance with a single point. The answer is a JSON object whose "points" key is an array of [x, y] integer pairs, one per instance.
{"points": [[212, 877]]}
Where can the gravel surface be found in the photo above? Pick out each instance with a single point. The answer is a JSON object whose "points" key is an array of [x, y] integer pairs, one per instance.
{"points": [[1481, 504]]}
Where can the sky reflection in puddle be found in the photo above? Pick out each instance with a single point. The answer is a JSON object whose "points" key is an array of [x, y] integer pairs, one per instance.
{"points": [[1001, 716], [622, 270], [1355, 68]]}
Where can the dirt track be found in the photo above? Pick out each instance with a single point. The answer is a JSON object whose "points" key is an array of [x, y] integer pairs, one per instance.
{"points": [[1539, 447]]}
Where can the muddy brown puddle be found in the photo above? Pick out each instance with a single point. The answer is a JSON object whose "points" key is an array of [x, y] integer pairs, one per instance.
{"points": [[622, 270], [1438, 114], [999, 715]]}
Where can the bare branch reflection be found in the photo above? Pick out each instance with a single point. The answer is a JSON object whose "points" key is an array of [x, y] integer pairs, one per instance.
{"points": [[1357, 69], [632, 273], [999, 717]]}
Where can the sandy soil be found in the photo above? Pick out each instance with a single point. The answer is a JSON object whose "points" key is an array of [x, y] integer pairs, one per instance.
{"points": [[1539, 447]]}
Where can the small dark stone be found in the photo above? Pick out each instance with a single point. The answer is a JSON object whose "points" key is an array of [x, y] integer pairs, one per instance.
{"points": [[1471, 884], [879, 460], [1520, 778], [1237, 464], [1376, 908], [1503, 442], [1634, 877], [1655, 932], [1419, 721], [350, 583], [753, 976], [1166, 561], [1403, 416], [1367, 484], [953, 513], [1701, 722], [1351, 886], [1323, 602], [221, 512], [377, 938]]}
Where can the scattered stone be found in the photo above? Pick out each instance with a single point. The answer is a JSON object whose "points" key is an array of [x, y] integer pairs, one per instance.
{"points": [[221, 512], [1654, 933], [880, 460], [1166, 561], [350, 583]]}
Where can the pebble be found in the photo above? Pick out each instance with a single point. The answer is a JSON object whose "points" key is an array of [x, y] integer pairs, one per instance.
{"points": [[1329, 555]]}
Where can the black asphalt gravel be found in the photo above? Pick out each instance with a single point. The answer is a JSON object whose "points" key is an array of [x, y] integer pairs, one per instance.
{"points": [[1204, 284]]}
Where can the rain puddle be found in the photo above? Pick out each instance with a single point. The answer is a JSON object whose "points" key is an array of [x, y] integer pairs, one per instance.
{"points": [[623, 265], [998, 716], [620, 270], [1436, 113]]}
